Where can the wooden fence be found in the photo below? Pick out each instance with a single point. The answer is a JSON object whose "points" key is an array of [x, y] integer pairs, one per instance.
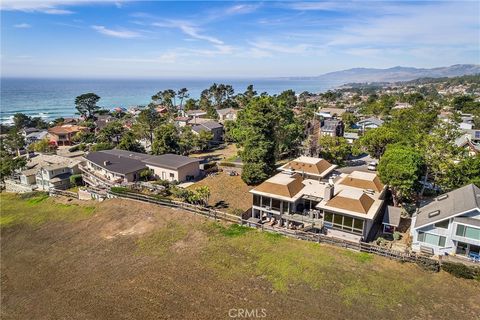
{"points": [[421, 260], [57, 192]]}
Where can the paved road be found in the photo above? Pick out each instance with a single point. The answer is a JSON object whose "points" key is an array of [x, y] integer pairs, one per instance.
{"points": [[359, 164]]}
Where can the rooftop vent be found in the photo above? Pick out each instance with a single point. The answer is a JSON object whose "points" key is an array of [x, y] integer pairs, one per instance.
{"points": [[106, 163], [442, 197], [434, 213]]}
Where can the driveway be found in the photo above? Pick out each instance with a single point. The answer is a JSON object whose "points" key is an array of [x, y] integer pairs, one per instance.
{"points": [[358, 164]]}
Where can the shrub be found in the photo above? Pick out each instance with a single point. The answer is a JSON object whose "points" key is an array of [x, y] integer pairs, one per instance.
{"points": [[397, 235], [76, 180], [460, 270], [119, 189], [380, 241]]}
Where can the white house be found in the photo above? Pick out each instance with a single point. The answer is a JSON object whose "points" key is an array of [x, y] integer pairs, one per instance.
{"points": [[450, 224], [369, 123], [302, 196]]}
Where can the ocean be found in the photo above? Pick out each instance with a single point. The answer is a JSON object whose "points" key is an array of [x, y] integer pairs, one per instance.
{"points": [[53, 98]]}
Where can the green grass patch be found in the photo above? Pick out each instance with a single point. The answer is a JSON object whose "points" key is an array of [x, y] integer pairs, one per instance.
{"points": [[37, 200], [234, 230], [160, 242], [359, 256], [17, 209]]}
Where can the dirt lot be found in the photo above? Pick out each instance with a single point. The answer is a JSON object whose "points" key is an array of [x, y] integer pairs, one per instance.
{"points": [[126, 260], [229, 152], [227, 192]]}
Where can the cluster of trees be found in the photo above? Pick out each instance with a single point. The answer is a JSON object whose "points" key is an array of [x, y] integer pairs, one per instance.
{"points": [[267, 130], [415, 148], [198, 196], [172, 139]]}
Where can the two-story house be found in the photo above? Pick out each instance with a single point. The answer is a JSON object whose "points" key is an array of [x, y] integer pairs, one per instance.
{"points": [[346, 205], [119, 167], [332, 127], [44, 172], [62, 135], [56, 176], [450, 224]]}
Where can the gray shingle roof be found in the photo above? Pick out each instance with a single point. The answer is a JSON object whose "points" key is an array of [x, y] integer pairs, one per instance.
{"points": [[128, 154], [447, 205], [373, 120], [207, 126], [115, 163], [196, 112], [392, 216], [170, 161], [122, 161], [225, 111]]}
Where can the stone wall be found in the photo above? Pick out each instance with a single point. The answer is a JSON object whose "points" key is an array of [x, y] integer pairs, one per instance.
{"points": [[13, 186]]}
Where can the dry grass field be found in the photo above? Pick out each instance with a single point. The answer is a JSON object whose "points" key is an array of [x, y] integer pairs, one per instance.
{"points": [[227, 192], [122, 259]]}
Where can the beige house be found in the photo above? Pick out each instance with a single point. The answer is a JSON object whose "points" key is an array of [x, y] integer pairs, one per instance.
{"points": [[172, 167], [313, 168], [347, 205], [229, 114], [119, 167]]}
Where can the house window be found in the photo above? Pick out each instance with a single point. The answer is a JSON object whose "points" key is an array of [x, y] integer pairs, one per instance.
{"points": [[468, 232], [328, 216], [275, 204], [256, 200], [442, 224], [431, 239], [172, 175], [265, 202], [337, 220]]}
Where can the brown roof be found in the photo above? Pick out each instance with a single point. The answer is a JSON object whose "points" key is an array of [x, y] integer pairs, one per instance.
{"points": [[357, 203], [289, 189], [65, 129], [363, 180], [315, 168]]}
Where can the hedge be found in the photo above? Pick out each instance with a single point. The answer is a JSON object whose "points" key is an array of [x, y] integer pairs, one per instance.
{"points": [[461, 271]]}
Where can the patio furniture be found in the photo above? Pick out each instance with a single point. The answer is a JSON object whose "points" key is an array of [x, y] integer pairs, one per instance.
{"points": [[475, 257]]}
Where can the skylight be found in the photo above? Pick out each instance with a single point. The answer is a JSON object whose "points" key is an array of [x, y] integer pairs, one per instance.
{"points": [[434, 213]]}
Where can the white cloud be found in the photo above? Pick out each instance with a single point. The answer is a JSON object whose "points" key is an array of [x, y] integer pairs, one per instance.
{"points": [[188, 29], [22, 26], [313, 6], [57, 11], [242, 9], [46, 6], [269, 46], [50, 6], [194, 33], [120, 33]]}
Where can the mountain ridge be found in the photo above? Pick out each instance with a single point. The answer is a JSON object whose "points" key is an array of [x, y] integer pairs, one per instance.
{"points": [[393, 74]]}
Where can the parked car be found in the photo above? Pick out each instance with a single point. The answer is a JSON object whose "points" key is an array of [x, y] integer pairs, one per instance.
{"points": [[372, 166]]}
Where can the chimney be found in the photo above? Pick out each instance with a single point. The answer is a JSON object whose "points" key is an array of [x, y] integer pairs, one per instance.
{"points": [[328, 193]]}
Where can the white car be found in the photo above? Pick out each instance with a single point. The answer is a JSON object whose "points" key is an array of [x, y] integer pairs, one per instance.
{"points": [[372, 166]]}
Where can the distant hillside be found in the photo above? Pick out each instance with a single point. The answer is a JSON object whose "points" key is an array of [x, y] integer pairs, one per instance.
{"points": [[394, 74]]}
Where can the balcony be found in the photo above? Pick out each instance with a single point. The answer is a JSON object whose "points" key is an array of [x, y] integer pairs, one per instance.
{"points": [[95, 178]]}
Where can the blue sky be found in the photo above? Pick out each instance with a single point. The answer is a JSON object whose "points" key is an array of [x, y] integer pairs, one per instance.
{"points": [[158, 39]]}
